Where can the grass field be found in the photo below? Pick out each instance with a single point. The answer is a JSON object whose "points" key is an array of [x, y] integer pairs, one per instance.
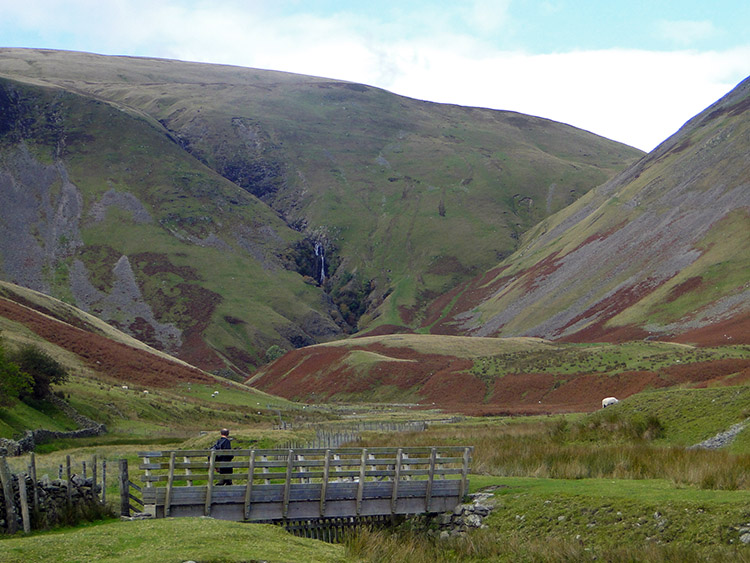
{"points": [[616, 485]]}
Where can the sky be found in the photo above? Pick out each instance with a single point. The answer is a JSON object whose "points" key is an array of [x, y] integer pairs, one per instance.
{"points": [[630, 70]]}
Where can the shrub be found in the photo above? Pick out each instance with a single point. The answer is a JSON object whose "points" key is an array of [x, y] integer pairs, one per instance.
{"points": [[13, 382], [274, 353], [43, 369]]}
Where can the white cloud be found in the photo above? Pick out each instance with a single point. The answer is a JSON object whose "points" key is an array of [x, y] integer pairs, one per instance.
{"points": [[487, 16], [637, 97], [685, 33]]}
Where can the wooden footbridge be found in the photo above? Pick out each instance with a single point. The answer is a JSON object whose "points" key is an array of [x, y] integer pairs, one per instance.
{"points": [[283, 486]]}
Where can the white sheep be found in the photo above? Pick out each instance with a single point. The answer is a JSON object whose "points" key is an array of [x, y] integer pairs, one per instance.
{"points": [[145, 391], [609, 401], [125, 387]]}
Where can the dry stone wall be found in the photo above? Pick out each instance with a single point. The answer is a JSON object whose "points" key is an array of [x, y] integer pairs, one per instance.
{"points": [[48, 503]]}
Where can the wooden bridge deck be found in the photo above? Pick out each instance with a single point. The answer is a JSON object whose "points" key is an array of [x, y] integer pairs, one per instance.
{"points": [[278, 485]]}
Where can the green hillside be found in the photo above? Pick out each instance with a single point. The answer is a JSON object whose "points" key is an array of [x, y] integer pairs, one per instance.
{"points": [[138, 392], [406, 198], [106, 212]]}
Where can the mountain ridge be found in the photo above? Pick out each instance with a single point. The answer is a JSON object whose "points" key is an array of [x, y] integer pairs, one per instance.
{"points": [[405, 198]]}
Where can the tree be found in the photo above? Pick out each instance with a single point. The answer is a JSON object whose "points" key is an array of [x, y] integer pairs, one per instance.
{"points": [[13, 382], [274, 353], [43, 369]]}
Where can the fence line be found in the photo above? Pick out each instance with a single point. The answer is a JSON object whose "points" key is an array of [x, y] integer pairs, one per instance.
{"points": [[335, 436]]}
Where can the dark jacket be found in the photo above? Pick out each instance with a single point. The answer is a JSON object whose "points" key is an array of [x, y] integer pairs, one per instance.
{"points": [[223, 443]]}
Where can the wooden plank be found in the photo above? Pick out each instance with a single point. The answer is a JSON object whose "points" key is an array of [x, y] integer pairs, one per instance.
{"points": [[170, 479], [249, 485], [310, 474], [304, 462], [305, 492], [324, 483], [341, 502], [210, 484]]}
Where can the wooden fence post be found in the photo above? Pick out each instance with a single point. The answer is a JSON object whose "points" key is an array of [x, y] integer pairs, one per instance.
{"points": [[396, 478], [170, 479], [69, 478], [124, 488], [23, 496], [464, 474], [210, 484], [32, 471], [93, 478], [324, 482], [10, 506], [430, 478], [287, 483], [249, 485], [104, 481], [361, 484]]}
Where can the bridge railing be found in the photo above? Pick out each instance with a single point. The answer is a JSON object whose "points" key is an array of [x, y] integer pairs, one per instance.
{"points": [[272, 484]]}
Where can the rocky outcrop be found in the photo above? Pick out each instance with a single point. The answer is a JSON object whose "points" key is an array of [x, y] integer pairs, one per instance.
{"points": [[463, 518], [721, 439]]}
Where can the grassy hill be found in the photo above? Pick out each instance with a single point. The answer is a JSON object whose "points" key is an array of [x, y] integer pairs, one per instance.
{"points": [[660, 251], [405, 198], [106, 212], [139, 393], [484, 376]]}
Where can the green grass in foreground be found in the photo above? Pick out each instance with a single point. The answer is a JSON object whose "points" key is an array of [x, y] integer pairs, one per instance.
{"points": [[170, 539], [546, 520]]}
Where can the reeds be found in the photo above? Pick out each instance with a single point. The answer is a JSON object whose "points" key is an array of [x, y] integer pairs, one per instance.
{"points": [[557, 449]]}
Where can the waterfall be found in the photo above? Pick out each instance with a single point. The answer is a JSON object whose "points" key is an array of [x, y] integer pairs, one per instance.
{"points": [[320, 251]]}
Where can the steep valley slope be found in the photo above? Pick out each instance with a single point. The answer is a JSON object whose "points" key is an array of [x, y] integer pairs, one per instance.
{"points": [[662, 251], [642, 283]]}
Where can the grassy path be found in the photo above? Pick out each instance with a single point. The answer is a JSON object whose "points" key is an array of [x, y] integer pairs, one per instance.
{"points": [[171, 539]]}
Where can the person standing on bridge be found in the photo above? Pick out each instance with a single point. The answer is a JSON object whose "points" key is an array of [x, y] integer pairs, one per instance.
{"points": [[224, 443]]}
